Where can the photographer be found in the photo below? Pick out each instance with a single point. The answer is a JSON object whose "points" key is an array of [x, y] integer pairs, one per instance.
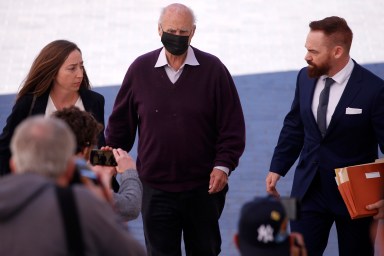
{"points": [[40, 214], [127, 200]]}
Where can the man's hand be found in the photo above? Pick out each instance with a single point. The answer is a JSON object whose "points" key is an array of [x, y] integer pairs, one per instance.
{"points": [[218, 181], [271, 182], [297, 245], [379, 205]]}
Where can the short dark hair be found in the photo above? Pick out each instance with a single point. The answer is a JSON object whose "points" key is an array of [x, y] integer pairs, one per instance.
{"points": [[336, 29], [83, 124]]}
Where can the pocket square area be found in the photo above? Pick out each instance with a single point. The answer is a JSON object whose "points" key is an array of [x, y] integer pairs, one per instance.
{"points": [[353, 111]]}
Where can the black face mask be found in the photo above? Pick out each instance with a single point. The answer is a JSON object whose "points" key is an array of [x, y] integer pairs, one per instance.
{"points": [[175, 44]]}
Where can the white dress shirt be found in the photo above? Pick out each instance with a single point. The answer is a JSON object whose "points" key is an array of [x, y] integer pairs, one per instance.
{"points": [[175, 74], [52, 108], [336, 90]]}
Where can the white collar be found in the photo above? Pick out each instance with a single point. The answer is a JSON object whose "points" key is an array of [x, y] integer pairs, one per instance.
{"points": [[343, 74], [190, 60]]}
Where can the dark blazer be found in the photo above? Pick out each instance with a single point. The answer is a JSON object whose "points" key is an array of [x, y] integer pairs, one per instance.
{"points": [[350, 138], [93, 103]]}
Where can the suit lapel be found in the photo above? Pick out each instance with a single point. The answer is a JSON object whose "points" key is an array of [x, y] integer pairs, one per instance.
{"points": [[41, 103], [350, 92], [308, 90], [86, 98], [311, 91]]}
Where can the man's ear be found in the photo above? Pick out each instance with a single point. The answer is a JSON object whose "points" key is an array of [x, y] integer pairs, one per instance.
{"points": [[12, 165], [159, 30], [86, 152], [71, 167], [338, 52], [193, 31], [65, 178], [236, 240]]}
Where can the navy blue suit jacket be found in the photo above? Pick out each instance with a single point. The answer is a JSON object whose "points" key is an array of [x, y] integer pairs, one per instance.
{"points": [[93, 103], [350, 138]]}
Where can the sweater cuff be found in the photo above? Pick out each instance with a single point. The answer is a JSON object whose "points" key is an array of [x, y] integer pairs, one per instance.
{"points": [[129, 173]]}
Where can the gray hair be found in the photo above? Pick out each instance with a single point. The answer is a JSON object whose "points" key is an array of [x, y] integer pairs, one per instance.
{"points": [[42, 145], [178, 8]]}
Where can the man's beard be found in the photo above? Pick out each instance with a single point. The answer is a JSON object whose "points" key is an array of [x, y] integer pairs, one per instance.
{"points": [[315, 71]]}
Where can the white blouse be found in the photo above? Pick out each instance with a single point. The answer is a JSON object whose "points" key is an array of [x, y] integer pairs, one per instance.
{"points": [[52, 108]]}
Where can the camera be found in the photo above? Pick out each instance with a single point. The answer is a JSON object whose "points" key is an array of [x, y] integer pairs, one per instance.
{"points": [[102, 157], [83, 173], [291, 206]]}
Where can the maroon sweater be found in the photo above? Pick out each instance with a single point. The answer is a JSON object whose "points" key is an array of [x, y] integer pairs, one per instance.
{"points": [[186, 128]]}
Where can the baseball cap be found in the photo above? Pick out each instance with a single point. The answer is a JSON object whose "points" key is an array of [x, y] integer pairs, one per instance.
{"points": [[262, 228]]}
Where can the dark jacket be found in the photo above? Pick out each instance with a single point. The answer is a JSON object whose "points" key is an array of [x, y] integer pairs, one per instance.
{"points": [[93, 103], [31, 222], [350, 138]]}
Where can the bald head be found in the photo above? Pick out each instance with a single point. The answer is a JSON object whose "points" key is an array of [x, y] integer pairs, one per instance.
{"points": [[177, 10]]}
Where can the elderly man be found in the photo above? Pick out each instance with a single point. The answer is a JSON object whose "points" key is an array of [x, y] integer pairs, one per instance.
{"points": [[185, 106]]}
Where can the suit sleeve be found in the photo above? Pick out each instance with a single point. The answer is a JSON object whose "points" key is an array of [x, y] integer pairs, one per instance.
{"points": [[378, 117], [291, 137]]}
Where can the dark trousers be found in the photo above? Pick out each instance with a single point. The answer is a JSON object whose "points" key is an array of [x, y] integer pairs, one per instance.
{"points": [[193, 215], [317, 217]]}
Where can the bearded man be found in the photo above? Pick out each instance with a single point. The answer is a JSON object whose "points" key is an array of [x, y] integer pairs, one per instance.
{"points": [[336, 120]]}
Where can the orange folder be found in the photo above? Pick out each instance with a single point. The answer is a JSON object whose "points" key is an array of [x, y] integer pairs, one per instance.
{"points": [[360, 185]]}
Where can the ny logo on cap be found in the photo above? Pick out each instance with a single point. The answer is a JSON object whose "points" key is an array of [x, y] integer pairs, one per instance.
{"points": [[265, 233]]}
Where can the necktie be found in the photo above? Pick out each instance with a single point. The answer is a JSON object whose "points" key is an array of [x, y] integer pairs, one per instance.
{"points": [[323, 105]]}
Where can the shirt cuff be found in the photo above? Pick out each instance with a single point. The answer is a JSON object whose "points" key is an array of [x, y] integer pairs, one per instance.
{"points": [[223, 168]]}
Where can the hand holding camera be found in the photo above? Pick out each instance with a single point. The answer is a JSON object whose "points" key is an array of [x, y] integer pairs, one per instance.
{"points": [[115, 161], [91, 178], [103, 156], [124, 160], [108, 156]]}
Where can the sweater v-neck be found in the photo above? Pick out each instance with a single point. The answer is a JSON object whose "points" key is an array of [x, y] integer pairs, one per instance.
{"points": [[179, 80]]}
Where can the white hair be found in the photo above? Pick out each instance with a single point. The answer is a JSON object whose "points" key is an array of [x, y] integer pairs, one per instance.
{"points": [[178, 8], [42, 145]]}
